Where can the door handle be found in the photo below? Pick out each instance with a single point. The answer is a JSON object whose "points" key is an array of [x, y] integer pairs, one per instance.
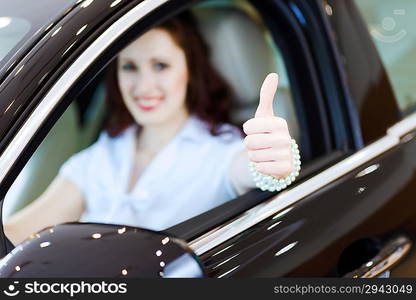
{"points": [[389, 255]]}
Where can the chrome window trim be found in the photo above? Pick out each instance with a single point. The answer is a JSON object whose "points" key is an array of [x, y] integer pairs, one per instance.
{"points": [[403, 127], [289, 197], [52, 98]]}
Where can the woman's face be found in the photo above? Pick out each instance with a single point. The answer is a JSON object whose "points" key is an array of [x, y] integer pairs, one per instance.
{"points": [[153, 78]]}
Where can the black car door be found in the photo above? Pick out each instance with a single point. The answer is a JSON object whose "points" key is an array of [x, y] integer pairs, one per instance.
{"points": [[345, 190], [349, 217], [75, 61]]}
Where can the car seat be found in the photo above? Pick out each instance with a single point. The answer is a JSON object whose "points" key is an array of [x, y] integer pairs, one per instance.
{"points": [[244, 53]]}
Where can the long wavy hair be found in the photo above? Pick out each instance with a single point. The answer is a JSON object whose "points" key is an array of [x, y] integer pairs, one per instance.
{"points": [[208, 96]]}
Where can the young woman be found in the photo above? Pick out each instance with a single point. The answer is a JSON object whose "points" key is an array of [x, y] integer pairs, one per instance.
{"points": [[168, 152]]}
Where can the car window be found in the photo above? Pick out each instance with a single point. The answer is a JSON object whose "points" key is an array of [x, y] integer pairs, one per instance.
{"points": [[238, 64], [81, 126], [12, 30], [392, 27]]}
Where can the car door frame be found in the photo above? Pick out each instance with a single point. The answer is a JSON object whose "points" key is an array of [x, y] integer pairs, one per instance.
{"points": [[244, 246], [257, 215], [75, 77]]}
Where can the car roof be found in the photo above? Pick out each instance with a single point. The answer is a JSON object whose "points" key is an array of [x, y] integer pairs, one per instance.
{"points": [[39, 16], [43, 16], [55, 38], [37, 12]]}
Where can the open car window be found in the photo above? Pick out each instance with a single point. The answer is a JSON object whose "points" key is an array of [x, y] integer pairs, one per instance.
{"points": [[242, 66]]}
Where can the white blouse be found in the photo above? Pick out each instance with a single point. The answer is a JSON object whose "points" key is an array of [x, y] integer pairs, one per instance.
{"points": [[187, 177]]}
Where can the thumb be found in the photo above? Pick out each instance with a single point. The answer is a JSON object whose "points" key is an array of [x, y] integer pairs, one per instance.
{"points": [[267, 92]]}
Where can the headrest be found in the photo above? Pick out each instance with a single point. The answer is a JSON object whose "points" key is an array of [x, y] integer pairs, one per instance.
{"points": [[243, 53], [238, 50]]}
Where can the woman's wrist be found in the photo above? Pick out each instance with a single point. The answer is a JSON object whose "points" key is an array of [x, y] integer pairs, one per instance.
{"points": [[271, 183]]}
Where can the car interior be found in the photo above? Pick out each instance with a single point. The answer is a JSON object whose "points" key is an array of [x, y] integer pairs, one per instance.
{"points": [[228, 26]]}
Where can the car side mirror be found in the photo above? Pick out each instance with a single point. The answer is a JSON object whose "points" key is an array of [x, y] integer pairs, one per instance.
{"points": [[81, 250]]}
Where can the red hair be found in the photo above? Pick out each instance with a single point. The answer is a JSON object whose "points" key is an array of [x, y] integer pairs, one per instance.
{"points": [[209, 97]]}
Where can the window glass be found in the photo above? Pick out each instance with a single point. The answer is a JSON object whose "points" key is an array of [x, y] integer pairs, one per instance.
{"points": [[392, 25], [63, 140], [110, 170], [12, 30]]}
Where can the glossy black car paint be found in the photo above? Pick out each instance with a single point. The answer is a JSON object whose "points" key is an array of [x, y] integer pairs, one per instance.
{"points": [[100, 250], [324, 224], [316, 230], [39, 18]]}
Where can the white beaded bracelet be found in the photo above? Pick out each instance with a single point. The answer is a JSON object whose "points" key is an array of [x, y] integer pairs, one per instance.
{"points": [[270, 183]]}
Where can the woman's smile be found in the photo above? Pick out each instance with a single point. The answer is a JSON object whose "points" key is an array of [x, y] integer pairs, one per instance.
{"points": [[148, 103]]}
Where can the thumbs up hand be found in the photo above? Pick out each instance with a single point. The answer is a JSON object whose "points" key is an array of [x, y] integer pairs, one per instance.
{"points": [[268, 141]]}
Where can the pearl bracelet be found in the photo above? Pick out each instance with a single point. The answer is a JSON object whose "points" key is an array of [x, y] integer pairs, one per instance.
{"points": [[270, 183]]}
